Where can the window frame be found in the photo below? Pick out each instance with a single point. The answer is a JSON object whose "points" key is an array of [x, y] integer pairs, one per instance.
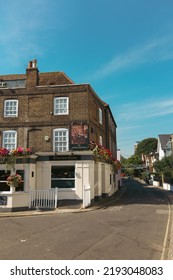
{"points": [[101, 140], [3, 181], [5, 108], [3, 139], [67, 106], [67, 139], [100, 116], [63, 179]]}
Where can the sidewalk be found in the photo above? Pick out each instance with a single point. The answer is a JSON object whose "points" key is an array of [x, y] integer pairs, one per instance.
{"points": [[68, 208]]}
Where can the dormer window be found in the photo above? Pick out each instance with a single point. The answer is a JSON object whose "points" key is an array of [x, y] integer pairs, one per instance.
{"points": [[11, 108]]}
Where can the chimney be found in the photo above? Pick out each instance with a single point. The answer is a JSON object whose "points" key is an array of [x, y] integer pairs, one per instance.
{"points": [[32, 74]]}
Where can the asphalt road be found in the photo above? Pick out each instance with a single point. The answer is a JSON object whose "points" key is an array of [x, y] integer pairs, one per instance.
{"points": [[135, 227]]}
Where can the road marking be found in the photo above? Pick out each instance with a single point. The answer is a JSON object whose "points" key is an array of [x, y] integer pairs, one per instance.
{"points": [[167, 231], [162, 212], [113, 208]]}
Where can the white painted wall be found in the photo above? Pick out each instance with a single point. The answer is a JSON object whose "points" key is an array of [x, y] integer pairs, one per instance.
{"points": [[88, 174]]}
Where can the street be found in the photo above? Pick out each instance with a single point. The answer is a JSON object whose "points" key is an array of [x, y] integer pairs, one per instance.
{"points": [[134, 227]]}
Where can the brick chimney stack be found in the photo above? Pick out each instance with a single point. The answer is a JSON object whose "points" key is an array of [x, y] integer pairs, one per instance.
{"points": [[32, 74]]}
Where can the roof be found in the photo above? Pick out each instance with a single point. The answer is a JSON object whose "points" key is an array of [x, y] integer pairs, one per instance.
{"points": [[49, 78], [164, 138], [54, 78]]}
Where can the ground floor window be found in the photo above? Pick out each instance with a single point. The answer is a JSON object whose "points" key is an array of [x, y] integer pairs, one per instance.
{"points": [[63, 177], [3, 180]]}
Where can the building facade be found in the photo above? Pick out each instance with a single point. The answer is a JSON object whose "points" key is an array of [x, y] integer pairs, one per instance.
{"points": [[56, 119]]}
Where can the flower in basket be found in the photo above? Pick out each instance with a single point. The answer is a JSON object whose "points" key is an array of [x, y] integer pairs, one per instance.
{"points": [[4, 152], [20, 152], [116, 164], [14, 180]]}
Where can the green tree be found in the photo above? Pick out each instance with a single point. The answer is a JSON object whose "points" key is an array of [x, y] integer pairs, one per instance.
{"points": [[130, 165], [164, 164], [146, 146], [164, 168]]}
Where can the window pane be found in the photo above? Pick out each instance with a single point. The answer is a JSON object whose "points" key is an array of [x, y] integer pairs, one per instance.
{"points": [[61, 140], [63, 177], [61, 106], [9, 140], [11, 107], [3, 180], [100, 116]]}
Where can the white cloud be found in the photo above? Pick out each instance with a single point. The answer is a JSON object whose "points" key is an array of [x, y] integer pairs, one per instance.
{"points": [[154, 51], [147, 109]]}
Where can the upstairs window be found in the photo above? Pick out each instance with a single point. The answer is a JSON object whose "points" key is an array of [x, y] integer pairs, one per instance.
{"points": [[10, 139], [61, 143], [100, 116], [61, 106], [11, 108], [100, 140]]}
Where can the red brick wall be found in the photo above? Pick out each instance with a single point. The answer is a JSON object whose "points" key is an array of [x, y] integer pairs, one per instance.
{"points": [[36, 117]]}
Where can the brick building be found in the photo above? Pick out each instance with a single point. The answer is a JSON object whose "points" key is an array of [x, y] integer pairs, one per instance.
{"points": [[57, 119]]}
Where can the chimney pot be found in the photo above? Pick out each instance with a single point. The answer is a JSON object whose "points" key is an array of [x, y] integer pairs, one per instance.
{"points": [[34, 63], [30, 64]]}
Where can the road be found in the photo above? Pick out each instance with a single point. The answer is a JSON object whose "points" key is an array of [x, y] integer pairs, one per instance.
{"points": [[135, 227]]}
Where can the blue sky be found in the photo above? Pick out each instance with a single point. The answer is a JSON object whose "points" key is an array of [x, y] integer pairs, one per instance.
{"points": [[123, 48]]}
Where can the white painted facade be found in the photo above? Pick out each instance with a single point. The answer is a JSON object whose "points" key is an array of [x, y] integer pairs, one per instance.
{"points": [[92, 180]]}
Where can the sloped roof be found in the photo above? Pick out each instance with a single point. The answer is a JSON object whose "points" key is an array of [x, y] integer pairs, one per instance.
{"points": [[164, 138], [49, 78], [54, 78]]}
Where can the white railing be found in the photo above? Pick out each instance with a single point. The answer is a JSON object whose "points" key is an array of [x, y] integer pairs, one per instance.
{"points": [[43, 198]]}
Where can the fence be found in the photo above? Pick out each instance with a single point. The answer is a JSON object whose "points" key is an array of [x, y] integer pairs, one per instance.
{"points": [[43, 198]]}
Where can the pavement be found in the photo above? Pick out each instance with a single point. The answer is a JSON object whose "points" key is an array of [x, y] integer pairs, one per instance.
{"points": [[68, 207]]}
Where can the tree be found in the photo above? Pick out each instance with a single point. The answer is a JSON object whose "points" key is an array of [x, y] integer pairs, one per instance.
{"points": [[163, 165], [130, 165], [146, 146], [164, 168]]}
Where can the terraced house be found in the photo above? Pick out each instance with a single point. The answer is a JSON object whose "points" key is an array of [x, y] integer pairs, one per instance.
{"points": [[56, 119]]}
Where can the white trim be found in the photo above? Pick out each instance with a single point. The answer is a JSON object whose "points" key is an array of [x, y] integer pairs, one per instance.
{"points": [[100, 140], [67, 105], [15, 137], [100, 116], [5, 110], [67, 138]]}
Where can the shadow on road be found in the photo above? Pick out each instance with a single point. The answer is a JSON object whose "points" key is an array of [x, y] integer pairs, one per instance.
{"points": [[138, 192]]}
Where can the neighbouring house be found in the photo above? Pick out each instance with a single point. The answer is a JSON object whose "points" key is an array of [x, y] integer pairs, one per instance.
{"points": [[56, 119], [163, 146], [148, 161]]}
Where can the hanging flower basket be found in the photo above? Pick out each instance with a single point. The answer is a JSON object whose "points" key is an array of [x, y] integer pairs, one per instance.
{"points": [[14, 180], [103, 154], [9, 156]]}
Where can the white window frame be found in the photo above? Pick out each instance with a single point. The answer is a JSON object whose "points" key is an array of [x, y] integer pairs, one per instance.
{"points": [[101, 140], [9, 113], [67, 139], [9, 145], [66, 109], [100, 116]]}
